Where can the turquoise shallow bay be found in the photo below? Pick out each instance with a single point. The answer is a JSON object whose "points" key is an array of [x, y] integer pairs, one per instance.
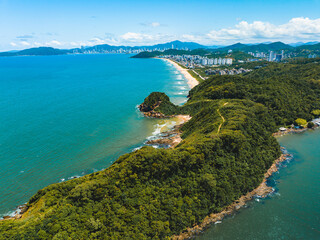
{"points": [[64, 116]]}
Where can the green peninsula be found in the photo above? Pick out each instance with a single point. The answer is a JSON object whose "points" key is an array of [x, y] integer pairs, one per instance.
{"points": [[157, 193]]}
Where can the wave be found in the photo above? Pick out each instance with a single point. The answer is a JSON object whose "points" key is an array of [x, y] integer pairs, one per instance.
{"points": [[137, 148], [13, 213], [158, 128], [74, 177], [182, 88]]}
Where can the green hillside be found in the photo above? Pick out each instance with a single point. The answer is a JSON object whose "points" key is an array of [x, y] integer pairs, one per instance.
{"points": [[40, 51]]}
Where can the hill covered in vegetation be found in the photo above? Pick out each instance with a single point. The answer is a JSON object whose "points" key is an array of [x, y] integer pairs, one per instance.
{"points": [[155, 193], [40, 51]]}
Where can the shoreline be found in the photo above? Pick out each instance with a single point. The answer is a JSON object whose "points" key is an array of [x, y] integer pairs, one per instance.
{"points": [[261, 191], [192, 82], [172, 137]]}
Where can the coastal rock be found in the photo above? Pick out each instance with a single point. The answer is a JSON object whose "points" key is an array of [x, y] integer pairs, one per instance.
{"points": [[18, 213], [23, 208], [153, 114], [170, 138], [158, 100]]}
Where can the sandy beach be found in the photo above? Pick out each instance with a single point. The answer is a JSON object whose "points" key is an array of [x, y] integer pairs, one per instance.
{"points": [[192, 82]]}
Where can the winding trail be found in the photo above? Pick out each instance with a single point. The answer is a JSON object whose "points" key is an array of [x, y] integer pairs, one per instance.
{"points": [[223, 120]]}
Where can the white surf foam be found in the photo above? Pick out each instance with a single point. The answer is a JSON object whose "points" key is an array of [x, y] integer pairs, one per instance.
{"points": [[137, 148]]}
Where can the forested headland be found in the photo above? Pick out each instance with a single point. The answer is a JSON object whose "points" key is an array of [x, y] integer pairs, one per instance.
{"points": [[156, 193]]}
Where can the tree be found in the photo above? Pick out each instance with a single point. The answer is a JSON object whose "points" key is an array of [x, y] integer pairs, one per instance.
{"points": [[316, 112], [300, 122], [310, 125]]}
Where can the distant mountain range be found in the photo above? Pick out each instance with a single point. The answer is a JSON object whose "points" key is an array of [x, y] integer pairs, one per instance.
{"points": [[261, 47], [297, 44]]}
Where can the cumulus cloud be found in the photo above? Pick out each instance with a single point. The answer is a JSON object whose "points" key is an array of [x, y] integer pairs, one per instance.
{"points": [[96, 41], [24, 43], [296, 29], [132, 36], [54, 43], [143, 38]]}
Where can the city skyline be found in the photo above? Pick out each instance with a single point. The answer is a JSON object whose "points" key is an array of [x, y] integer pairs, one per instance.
{"points": [[73, 24]]}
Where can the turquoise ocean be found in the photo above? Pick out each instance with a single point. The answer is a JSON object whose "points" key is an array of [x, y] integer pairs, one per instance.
{"points": [[66, 116]]}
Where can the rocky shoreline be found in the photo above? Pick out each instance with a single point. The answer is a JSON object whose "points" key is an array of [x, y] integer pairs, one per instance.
{"points": [[292, 130], [172, 137], [169, 138], [262, 191], [288, 131], [17, 214]]}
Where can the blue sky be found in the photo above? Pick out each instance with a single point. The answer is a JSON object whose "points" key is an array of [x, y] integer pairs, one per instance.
{"points": [[68, 23]]}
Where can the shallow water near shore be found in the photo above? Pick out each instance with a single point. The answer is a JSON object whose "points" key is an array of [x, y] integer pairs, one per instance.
{"points": [[293, 210], [66, 116]]}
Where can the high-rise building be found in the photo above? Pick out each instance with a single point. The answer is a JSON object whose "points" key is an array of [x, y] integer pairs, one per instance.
{"points": [[278, 57], [204, 61], [210, 61], [271, 56]]}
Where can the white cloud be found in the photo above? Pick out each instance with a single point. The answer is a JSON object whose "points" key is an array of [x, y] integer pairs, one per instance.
{"points": [[152, 24], [131, 36], [199, 38], [296, 29], [55, 42], [155, 24], [37, 44], [142, 38], [96, 41], [24, 43]]}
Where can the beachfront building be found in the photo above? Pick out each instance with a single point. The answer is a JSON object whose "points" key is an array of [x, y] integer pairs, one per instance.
{"points": [[192, 61]]}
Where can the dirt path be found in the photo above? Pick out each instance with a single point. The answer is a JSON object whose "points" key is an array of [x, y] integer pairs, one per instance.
{"points": [[223, 120]]}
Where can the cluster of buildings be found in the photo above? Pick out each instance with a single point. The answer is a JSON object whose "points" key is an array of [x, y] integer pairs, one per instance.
{"points": [[129, 50], [271, 56], [226, 71], [192, 61], [96, 51], [312, 56]]}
